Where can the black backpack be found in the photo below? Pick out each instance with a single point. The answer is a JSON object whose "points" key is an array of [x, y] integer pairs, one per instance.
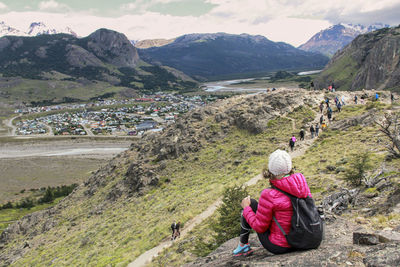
{"points": [[307, 228]]}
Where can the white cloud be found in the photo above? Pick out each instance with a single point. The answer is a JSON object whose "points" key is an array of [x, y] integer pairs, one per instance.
{"points": [[3, 6], [292, 21], [52, 5]]}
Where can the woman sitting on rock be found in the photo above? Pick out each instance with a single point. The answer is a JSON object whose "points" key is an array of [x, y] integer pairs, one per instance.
{"points": [[258, 215]]}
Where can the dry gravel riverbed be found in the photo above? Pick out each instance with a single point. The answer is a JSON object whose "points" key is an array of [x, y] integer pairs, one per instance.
{"points": [[34, 164]]}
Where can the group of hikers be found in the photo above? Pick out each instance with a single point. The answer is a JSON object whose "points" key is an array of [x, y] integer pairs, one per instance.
{"points": [[175, 230]]}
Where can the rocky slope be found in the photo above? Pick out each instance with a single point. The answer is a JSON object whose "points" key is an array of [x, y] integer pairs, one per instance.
{"points": [[125, 208], [370, 61], [143, 44], [330, 40], [212, 55]]}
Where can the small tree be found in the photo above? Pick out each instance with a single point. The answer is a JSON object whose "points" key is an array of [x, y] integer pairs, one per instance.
{"points": [[48, 196], [358, 168], [228, 225], [390, 127]]}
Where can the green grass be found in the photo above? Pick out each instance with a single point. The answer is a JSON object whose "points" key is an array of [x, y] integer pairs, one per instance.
{"points": [[141, 223], [341, 71], [37, 90], [8, 216], [332, 148]]}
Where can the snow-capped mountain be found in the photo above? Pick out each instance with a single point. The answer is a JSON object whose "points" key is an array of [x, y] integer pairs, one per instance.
{"points": [[38, 28], [35, 29], [8, 30], [330, 40]]}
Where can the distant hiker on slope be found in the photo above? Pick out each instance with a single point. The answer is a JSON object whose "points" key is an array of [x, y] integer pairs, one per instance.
{"points": [[271, 216], [321, 106], [316, 129], [321, 119], [302, 134], [173, 226], [391, 97], [355, 99], [312, 130], [292, 142]]}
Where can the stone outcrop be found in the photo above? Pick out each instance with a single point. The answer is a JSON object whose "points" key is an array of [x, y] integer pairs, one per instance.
{"points": [[336, 250], [370, 61], [113, 47]]}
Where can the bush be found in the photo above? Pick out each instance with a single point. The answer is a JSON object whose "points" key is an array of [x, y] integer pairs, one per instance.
{"points": [[359, 165], [228, 225]]}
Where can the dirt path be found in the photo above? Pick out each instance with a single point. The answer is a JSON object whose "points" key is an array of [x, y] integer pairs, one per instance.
{"points": [[10, 125], [142, 260]]}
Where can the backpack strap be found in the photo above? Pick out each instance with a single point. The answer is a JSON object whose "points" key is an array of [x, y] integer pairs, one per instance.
{"points": [[284, 192], [280, 227]]}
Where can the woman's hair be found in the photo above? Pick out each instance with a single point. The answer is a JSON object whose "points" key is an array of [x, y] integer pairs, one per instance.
{"points": [[268, 175]]}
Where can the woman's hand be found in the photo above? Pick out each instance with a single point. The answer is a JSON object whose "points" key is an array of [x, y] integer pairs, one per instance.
{"points": [[246, 202]]}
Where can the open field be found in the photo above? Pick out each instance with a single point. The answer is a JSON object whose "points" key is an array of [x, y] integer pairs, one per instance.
{"points": [[29, 163]]}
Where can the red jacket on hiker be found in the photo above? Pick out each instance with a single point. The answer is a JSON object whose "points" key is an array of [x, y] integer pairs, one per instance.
{"points": [[274, 203]]}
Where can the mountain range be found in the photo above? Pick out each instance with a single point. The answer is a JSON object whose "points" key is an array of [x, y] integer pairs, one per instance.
{"points": [[215, 55], [336, 37], [34, 29], [104, 56]]}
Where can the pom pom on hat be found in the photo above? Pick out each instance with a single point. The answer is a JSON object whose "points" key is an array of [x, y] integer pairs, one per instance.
{"points": [[279, 162]]}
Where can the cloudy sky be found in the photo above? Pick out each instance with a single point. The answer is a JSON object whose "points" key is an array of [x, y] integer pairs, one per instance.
{"points": [[291, 21]]}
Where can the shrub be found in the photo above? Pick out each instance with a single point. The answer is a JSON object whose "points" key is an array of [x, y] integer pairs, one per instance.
{"points": [[228, 225], [359, 165]]}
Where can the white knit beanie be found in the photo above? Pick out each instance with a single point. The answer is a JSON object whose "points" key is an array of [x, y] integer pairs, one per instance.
{"points": [[279, 162]]}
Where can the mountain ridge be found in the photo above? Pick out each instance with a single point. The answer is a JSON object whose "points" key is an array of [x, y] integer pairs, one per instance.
{"points": [[334, 38], [206, 56]]}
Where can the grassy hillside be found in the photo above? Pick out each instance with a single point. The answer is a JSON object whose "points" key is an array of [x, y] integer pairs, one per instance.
{"points": [[323, 164], [104, 223]]}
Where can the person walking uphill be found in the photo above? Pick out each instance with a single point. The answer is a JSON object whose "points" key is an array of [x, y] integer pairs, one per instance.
{"points": [[312, 131], [302, 134], [274, 210], [292, 142]]}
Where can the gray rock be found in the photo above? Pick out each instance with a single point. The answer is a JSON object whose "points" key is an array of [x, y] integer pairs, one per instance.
{"points": [[363, 238]]}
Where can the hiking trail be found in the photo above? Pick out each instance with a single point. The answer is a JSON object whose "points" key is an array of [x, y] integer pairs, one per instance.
{"points": [[146, 257]]}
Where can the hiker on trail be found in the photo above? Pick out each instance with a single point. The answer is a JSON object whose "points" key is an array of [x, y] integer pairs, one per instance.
{"points": [[316, 129], [376, 96], [339, 106], [302, 134], [274, 210], [355, 99], [175, 230], [173, 227], [292, 142], [323, 126], [391, 97], [312, 130], [312, 85], [329, 113], [321, 106], [327, 102], [343, 101], [321, 119], [336, 100]]}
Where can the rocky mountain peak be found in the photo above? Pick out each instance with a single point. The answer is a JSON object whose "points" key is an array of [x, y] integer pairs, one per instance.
{"points": [[38, 28], [114, 47], [337, 36]]}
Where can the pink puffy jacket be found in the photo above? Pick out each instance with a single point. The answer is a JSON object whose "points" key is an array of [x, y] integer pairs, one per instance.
{"points": [[275, 203]]}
